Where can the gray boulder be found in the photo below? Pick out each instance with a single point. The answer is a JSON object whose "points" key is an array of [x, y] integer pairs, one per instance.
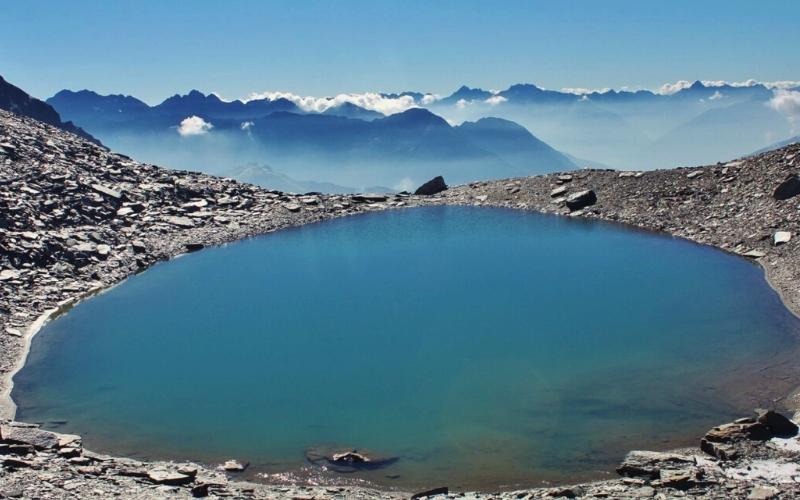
{"points": [[581, 199]]}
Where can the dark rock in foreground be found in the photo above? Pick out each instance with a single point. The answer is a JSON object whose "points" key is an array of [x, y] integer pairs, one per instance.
{"points": [[433, 186], [777, 423], [789, 188]]}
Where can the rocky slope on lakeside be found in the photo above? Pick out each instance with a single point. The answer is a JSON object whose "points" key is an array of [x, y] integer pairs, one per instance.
{"points": [[76, 218]]}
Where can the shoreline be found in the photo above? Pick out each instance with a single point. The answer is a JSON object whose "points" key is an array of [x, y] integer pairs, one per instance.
{"points": [[63, 308], [667, 202], [8, 406]]}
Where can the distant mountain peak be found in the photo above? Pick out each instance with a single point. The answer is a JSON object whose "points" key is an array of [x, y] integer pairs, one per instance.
{"points": [[416, 117], [697, 85], [468, 94]]}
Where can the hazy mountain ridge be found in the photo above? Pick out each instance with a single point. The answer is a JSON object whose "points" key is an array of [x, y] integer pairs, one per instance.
{"points": [[635, 128], [344, 145], [18, 101]]}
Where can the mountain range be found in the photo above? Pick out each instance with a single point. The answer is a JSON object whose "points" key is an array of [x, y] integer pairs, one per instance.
{"points": [[686, 124], [345, 145], [690, 124]]}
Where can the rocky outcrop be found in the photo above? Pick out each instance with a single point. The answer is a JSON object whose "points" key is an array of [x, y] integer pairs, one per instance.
{"points": [[16, 100], [433, 186]]}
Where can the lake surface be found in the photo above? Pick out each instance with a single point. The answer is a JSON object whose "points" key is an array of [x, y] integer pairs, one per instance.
{"points": [[486, 348]]}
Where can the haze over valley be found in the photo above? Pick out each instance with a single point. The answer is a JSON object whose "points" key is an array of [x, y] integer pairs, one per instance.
{"points": [[383, 141]]}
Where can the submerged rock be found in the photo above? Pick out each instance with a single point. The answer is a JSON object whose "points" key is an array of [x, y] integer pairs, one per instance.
{"points": [[234, 466], [433, 186], [349, 460]]}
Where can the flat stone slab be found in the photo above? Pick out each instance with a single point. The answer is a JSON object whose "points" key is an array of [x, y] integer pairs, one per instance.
{"points": [[161, 476], [184, 222], [29, 435]]}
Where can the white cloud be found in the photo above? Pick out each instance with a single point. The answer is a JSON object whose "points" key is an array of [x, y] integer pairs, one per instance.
{"points": [[247, 125], [495, 100], [194, 125], [370, 100], [716, 95], [428, 99], [671, 88], [462, 103], [788, 104]]}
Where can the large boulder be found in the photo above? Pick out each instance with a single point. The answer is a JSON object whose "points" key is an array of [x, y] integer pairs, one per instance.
{"points": [[777, 423], [789, 188], [433, 186], [581, 199]]}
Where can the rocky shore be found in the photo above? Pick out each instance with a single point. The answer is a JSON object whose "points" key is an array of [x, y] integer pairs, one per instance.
{"points": [[75, 218]]}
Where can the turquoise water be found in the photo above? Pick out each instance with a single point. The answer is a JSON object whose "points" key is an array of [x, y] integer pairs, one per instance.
{"points": [[486, 348]]}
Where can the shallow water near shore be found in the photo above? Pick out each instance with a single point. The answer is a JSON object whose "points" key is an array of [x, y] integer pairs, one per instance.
{"points": [[486, 348]]}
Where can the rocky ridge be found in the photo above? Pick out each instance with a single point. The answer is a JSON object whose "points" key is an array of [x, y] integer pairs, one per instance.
{"points": [[76, 218]]}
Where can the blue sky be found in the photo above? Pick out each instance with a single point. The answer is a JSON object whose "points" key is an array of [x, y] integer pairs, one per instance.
{"points": [[153, 49]]}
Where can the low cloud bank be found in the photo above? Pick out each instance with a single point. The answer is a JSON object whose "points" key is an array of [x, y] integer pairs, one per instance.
{"points": [[370, 100], [671, 88], [788, 104]]}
